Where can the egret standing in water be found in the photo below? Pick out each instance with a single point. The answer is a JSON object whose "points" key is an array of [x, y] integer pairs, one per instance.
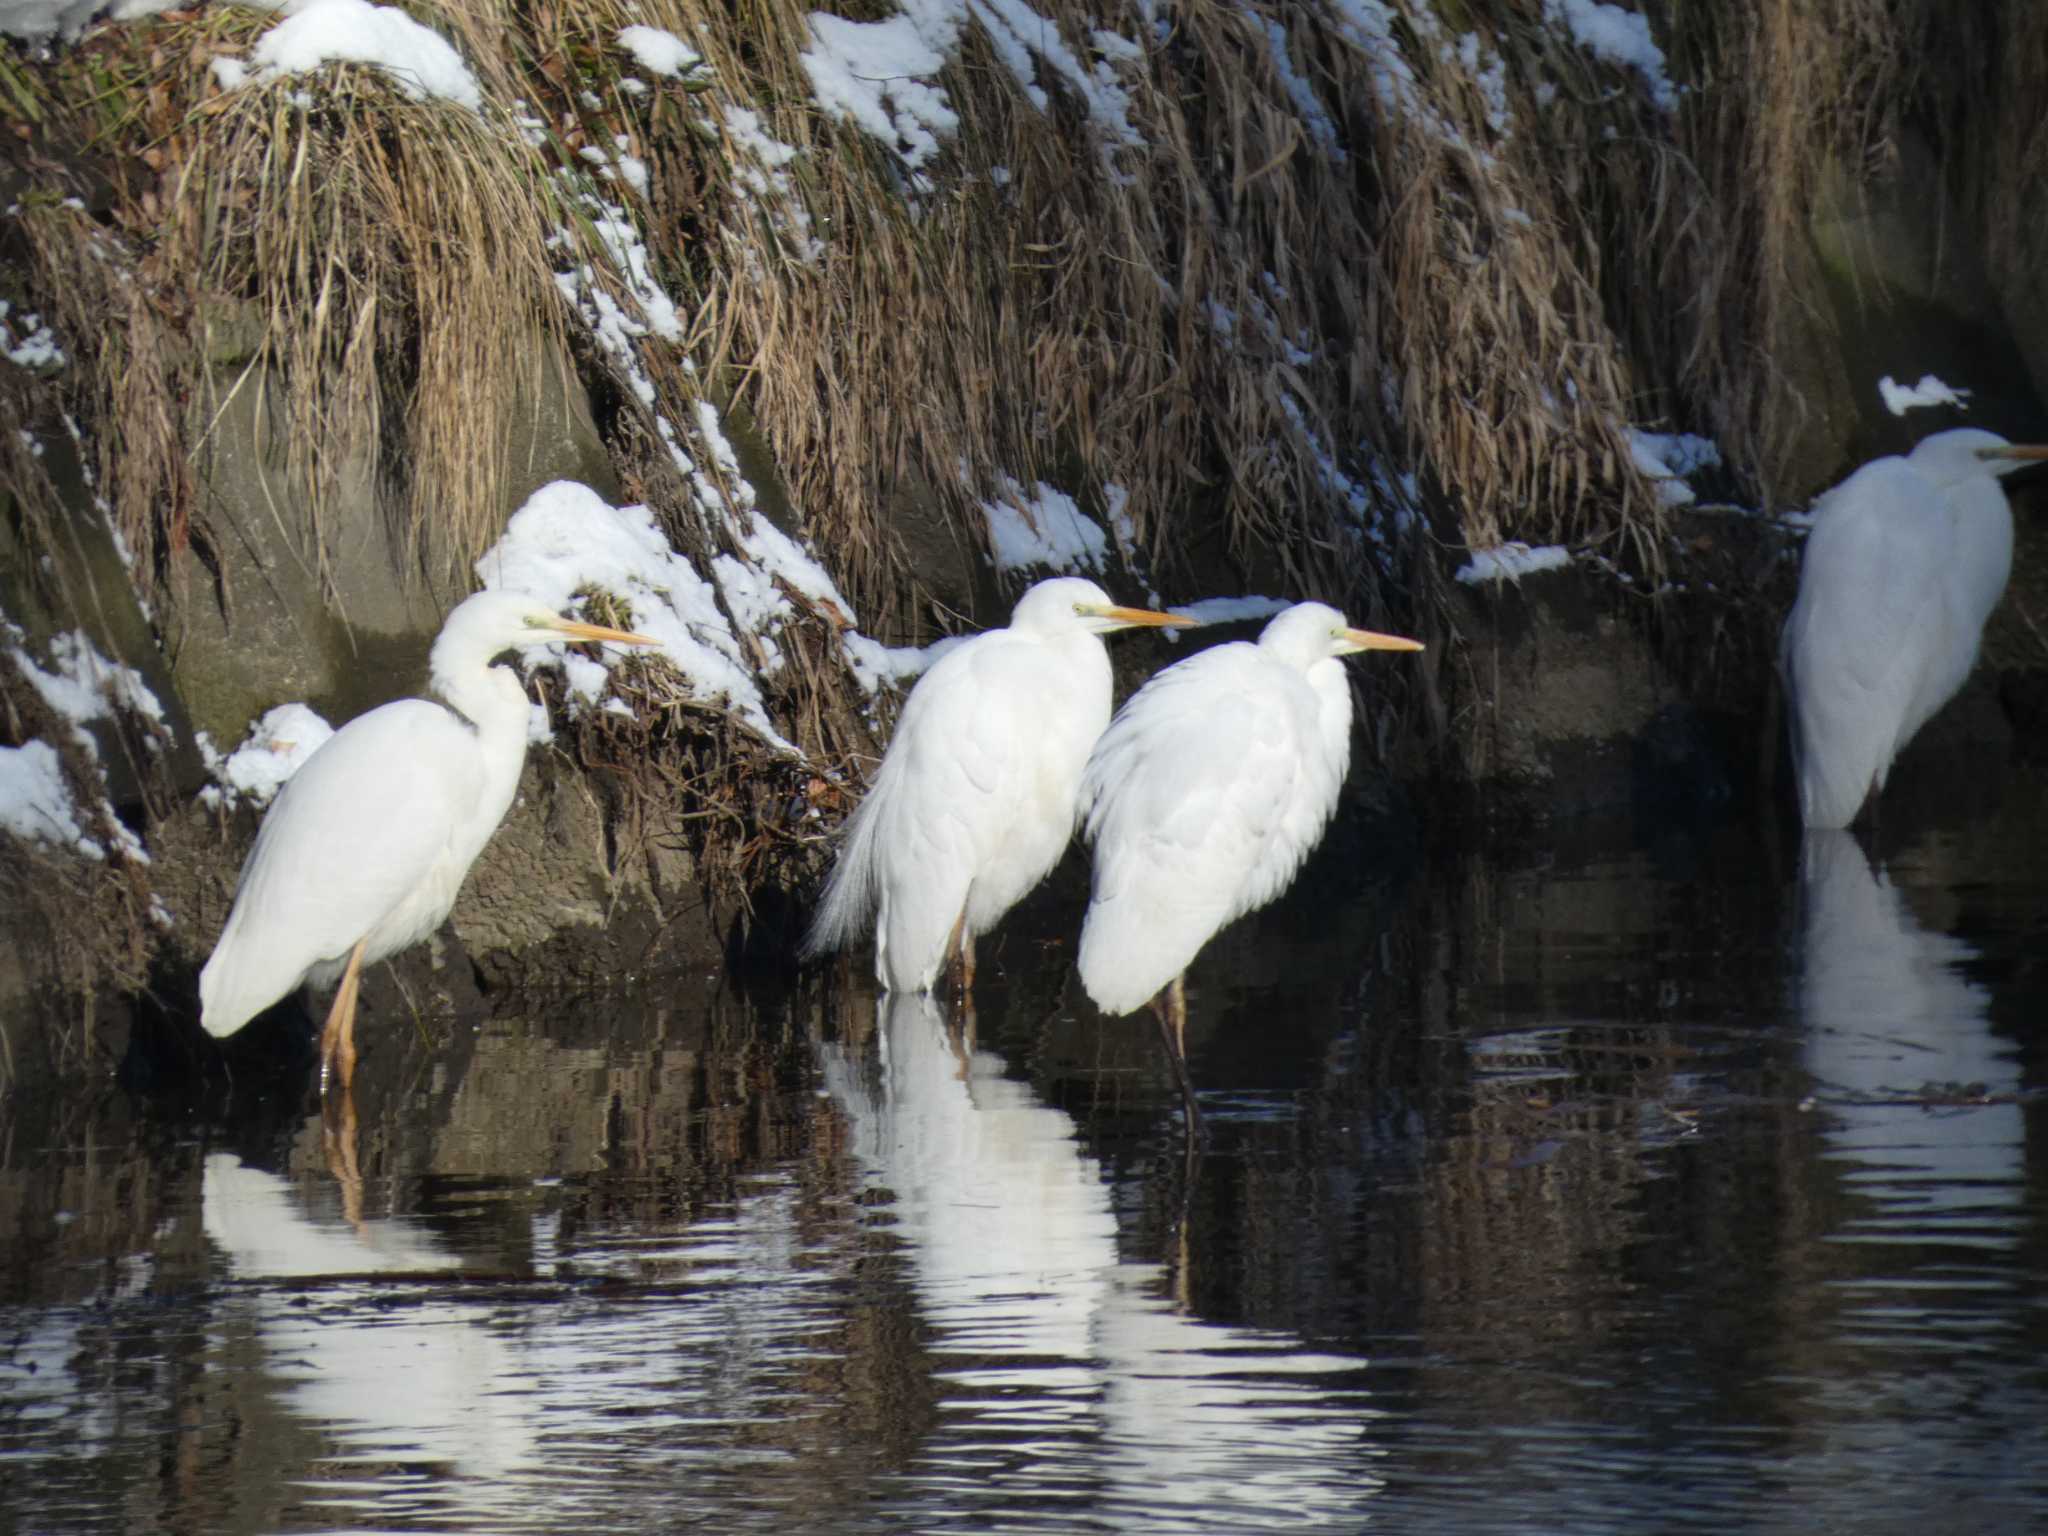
{"points": [[1906, 560], [1202, 799], [977, 796], [365, 847]]}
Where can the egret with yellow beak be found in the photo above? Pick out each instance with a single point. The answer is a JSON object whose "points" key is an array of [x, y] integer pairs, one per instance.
{"points": [[362, 852], [1202, 799], [977, 795]]}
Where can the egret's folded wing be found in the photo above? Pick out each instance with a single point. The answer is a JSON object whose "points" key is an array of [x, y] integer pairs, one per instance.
{"points": [[1855, 644], [352, 834], [1183, 797]]}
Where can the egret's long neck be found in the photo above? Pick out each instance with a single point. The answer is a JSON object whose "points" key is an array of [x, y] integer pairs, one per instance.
{"points": [[493, 701]]}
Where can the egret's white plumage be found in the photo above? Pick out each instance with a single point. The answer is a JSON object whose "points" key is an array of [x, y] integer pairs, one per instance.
{"points": [[1906, 560], [367, 844], [977, 795], [1208, 790]]}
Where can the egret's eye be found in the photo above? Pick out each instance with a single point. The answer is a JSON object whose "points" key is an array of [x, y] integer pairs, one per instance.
{"points": [[533, 623]]}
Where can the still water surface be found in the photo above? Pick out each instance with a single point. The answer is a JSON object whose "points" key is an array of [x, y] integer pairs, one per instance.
{"points": [[1675, 1185]]}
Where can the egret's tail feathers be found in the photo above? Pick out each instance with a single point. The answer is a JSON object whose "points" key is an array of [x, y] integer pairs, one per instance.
{"points": [[847, 909], [232, 990]]}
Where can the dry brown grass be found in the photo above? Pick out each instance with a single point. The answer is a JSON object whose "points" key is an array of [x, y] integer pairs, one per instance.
{"points": [[376, 267], [1059, 325]]}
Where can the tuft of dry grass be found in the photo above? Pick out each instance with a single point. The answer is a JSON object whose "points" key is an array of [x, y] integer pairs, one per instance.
{"points": [[1233, 324], [378, 268]]}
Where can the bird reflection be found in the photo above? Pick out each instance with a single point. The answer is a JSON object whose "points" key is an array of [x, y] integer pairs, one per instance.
{"points": [[1899, 1041], [423, 1380], [1075, 1371]]}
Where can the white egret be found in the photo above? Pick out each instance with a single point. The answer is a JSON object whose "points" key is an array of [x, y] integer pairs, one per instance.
{"points": [[977, 796], [364, 848], [1906, 560], [1202, 799]]}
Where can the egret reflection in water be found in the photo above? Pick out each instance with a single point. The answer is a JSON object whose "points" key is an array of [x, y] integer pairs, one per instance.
{"points": [[1077, 1374], [1898, 1040], [426, 1380]]}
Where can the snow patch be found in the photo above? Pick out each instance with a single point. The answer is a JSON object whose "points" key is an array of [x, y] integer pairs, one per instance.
{"points": [[419, 60], [1042, 527], [1930, 391], [28, 343], [659, 52], [567, 538], [1618, 37], [35, 802], [870, 73], [84, 686], [1511, 562], [276, 747], [875, 74], [1669, 458]]}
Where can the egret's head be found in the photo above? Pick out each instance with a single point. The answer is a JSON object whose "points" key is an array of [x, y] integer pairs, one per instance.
{"points": [[487, 624], [1069, 602], [1311, 632], [1969, 453]]}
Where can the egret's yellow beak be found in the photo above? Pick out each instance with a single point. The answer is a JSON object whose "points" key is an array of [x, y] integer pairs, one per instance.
{"points": [[1135, 618], [1372, 640], [2025, 453], [576, 629]]}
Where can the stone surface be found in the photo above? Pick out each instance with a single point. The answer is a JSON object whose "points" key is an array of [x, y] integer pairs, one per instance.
{"points": [[88, 588], [255, 629]]}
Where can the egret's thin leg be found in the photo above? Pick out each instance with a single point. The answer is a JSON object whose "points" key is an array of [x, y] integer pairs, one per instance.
{"points": [[338, 1138], [338, 1034], [1170, 1008], [960, 956]]}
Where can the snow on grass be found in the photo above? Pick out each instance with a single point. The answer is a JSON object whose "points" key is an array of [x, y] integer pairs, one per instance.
{"points": [[767, 182], [567, 539], [1373, 27], [870, 73], [876, 74], [1668, 458], [276, 747], [1321, 130], [84, 686], [1015, 32], [1930, 391], [1511, 562], [28, 343], [1368, 506], [35, 802], [1618, 37], [1488, 70], [1042, 527], [616, 163], [419, 60], [617, 333], [659, 52], [81, 686]]}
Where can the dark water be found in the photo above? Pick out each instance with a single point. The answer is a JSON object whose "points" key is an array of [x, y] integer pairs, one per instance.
{"points": [[1689, 1184]]}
